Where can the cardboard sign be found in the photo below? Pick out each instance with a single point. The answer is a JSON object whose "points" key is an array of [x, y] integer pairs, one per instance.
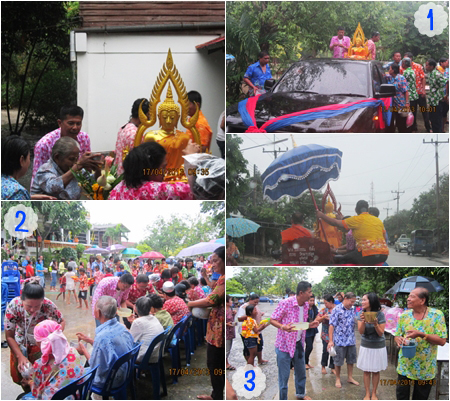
{"points": [[306, 252]]}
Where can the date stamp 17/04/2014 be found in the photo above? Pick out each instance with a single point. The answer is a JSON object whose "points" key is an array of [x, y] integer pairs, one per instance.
{"points": [[175, 171]]}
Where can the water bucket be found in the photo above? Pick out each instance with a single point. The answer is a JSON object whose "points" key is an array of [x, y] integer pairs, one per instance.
{"points": [[409, 351]]}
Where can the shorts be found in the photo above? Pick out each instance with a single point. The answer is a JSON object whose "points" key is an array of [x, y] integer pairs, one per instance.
{"points": [[251, 342], [348, 353], [82, 295]]}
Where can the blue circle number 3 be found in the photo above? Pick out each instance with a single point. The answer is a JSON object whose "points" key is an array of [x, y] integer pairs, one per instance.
{"points": [[24, 216], [250, 381]]}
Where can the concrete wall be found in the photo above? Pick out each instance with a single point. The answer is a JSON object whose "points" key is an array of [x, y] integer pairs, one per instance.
{"points": [[116, 69]]}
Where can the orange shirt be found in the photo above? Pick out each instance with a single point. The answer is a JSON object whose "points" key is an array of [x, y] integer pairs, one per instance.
{"points": [[203, 129], [294, 232]]}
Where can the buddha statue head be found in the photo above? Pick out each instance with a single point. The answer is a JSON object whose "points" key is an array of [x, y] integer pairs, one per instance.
{"points": [[168, 113], [329, 207], [358, 42]]}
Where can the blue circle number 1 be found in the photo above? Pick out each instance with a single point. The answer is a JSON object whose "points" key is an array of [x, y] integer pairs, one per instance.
{"points": [[430, 16], [251, 380], [21, 213]]}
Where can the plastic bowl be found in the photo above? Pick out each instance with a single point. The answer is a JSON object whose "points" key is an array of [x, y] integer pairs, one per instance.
{"points": [[124, 312], [370, 317], [301, 326], [201, 313]]}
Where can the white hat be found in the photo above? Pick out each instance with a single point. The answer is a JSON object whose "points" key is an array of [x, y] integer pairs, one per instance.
{"points": [[168, 287]]}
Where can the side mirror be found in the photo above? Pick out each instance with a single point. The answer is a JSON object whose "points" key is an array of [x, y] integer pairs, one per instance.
{"points": [[386, 90], [269, 84]]}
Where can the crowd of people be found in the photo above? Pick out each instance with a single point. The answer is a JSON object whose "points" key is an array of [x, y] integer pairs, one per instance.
{"points": [[158, 294], [297, 319]]}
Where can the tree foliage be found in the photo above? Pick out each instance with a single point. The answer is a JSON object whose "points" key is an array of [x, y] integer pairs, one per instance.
{"points": [[116, 233], [217, 212], [68, 253], [234, 287]]}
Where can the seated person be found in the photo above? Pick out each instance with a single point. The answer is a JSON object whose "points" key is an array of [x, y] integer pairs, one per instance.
{"points": [[112, 340], [59, 363], [296, 230], [195, 292], [55, 177], [202, 124], [156, 310], [15, 164], [70, 120], [145, 327], [369, 234], [173, 304], [143, 178]]}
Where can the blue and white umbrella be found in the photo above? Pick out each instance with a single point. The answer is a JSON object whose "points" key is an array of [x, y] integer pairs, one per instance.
{"points": [[132, 251], [238, 227], [304, 167]]}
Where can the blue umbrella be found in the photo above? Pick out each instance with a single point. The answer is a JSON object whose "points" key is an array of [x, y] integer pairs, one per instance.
{"points": [[220, 241], [132, 251], [230, 57], [238, 227]]}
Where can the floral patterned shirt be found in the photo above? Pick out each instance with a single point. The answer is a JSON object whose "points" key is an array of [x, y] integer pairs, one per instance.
{"points": [[423, 365], [343, 322], [98, 275], [107, 286], [420, 74], [401, 87], [288, 311], [411, 78], [152, 190], [196, 293], [230, 331], [176, 307], [247, 328], [48, 379], [136, 293], [43, 148], [83, 280], [437, 83], [12, 190], [19, 321], [215, 333], [125, 138], [325, 324]]}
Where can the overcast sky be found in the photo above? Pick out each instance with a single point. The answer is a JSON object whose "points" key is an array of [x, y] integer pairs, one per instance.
{"points": [[386, 160], [136, 216]]}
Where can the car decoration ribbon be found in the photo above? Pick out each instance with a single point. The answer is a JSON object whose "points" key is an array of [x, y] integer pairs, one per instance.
{"points": [[247, 109]]}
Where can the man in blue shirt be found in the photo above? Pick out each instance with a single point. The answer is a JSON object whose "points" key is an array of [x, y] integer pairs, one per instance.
{"points": [[258, 73], [112, 340], [98, 262], [40, 271]]}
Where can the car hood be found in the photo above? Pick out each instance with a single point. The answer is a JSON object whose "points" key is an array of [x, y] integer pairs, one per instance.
{"points": [[271, 105]]}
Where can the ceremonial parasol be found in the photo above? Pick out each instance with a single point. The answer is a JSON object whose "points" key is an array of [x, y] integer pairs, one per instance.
{"points": [[198, 249], [132, 251], [116, 247], [94, 251], [407, 284], [152, 255], [238, 227]]}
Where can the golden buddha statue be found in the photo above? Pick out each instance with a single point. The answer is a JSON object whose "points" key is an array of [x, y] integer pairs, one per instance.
{"points": [[168, 114], [334, 235], [359, 48]]}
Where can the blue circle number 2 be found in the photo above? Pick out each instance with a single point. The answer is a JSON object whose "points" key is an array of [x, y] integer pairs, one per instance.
{"points": [[24, 216], [251, 380]]}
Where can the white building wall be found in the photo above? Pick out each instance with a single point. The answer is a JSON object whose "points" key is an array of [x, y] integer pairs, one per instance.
{"points": [[117, 69]]}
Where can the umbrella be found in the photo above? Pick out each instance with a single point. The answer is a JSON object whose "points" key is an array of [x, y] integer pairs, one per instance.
{"points": [[131, 251], [116, 247], [220, 241], [238, 227], [237, 295], [407, 284], [94, 251], [152, 255], [198, 249]]}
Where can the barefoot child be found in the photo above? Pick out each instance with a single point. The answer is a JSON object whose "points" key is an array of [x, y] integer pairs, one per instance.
{"points": [[70, 283], [250, 332], [62, 288], [83, 289]]}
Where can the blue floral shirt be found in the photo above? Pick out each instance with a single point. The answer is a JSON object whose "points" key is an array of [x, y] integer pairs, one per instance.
{"points": [[12, 190], [48, 181], [401, 87], [343, 322], [255, 74], [112, 340]]}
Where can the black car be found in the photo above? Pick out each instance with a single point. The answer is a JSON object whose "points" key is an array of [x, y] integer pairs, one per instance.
{"points": [[320, 82]]}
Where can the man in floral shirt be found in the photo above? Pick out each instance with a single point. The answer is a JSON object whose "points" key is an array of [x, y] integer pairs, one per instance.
{"points": [[139, 289], [437, 98], [401, 99], [342, 336], [69, 123], [290, 341], [173, 304], [410, 77]]}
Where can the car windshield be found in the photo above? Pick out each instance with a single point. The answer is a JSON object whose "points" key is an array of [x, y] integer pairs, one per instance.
{"points": [[327, 78]]}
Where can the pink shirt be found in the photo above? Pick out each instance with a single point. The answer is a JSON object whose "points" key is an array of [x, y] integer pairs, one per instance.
{"points": [[43, 148], [107, 286], [125, 138], [339, 52], [287, 312], [372, 48], [153, 190]]}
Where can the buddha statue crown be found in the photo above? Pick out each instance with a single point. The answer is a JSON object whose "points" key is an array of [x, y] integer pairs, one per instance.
{"points": [[169, 104], [358, 46], [329, 207]]}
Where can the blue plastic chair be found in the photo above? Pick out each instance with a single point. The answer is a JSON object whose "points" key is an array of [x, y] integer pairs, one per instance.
{"points": [[11, 277], [156, 369], [120, 393], [186, 336], [79, 388], [4, 302], [172, 347]]}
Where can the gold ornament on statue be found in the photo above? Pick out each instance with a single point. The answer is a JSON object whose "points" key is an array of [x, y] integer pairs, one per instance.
{"points": [[359, 48]]}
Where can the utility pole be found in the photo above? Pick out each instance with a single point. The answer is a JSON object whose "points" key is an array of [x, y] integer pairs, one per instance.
{"points": [[372, 195], [387, 210], [274, 151], [438, 225], [398, 196]]}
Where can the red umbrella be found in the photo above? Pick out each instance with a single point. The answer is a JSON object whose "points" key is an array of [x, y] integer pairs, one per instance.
{"points": [[152, 255]]}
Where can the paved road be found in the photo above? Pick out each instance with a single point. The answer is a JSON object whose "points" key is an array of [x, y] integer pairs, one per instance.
{"points": [[402, 259]]}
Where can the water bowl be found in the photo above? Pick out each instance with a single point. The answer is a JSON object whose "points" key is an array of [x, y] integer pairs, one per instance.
{"points": [[409, 351]]}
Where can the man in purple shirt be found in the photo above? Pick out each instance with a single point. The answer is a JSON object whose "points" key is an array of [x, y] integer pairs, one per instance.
{"points": [[340, 44]]}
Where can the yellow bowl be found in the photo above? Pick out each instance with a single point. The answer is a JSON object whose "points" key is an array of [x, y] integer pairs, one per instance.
{"points": [[301, 326], [370, 317], [124, 312]]}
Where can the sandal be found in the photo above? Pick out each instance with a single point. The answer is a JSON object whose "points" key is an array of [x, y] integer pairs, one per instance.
{"points": [[230, 367]]}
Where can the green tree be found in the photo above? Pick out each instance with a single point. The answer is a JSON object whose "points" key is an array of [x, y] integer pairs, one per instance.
{"points": [[116, 233], [68, 253], [217, 211], [80, 248], [143, 248], [234, 287]]}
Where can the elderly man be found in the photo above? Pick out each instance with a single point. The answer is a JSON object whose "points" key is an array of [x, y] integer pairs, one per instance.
{"points": [[400, 102], [342, 337], [427, 327], [290, 341], [112, 340], [410, 77], [173, 304], [139, 289], [296, 230], [340, 44]]}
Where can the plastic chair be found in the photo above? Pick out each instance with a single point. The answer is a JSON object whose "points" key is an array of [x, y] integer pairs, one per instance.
{"points": [[79, 388], [4, 302], [120, 393], [185, 335], [156, 369], [11, 277], [172, 347]]}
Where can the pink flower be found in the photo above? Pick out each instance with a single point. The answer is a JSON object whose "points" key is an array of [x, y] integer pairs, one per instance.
{"points": [[108, 161]]}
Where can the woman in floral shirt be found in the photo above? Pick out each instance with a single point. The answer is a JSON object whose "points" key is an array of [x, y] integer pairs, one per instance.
{"points": [[324, 318], [59, 364], [22, 315], [215, 334], [196, 292]]}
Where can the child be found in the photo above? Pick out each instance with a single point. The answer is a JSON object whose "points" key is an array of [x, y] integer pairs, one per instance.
{"points": [[230, 331], [83, 289], [29, 270], [250, 330], [70, 283], [62, 287]]}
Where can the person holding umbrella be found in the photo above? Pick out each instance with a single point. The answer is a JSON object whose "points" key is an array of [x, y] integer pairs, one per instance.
{"points": [[427, 327]]}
